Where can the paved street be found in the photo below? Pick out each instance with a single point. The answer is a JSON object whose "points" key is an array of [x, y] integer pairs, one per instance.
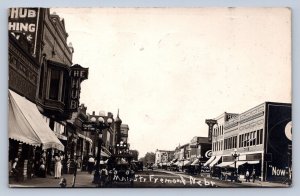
{"points": [[145, 179]]}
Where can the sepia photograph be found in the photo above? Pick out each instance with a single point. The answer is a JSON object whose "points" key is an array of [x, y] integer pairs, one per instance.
{"points": [[149, 97]]}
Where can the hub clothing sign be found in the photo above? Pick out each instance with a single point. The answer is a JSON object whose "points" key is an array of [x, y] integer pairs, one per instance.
{"points": [[23, 24]]}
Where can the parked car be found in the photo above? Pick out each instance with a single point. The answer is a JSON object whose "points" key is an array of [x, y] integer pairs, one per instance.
{"points": [[150, 166], [137, 165]]}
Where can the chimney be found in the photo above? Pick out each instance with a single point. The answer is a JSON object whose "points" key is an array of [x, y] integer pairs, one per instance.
{"points": [[93, 113]]}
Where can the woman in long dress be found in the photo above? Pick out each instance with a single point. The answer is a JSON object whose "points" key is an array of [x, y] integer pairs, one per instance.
{"points": [[58, 166]]}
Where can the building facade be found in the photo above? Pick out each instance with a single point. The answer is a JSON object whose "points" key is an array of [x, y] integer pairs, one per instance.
{"points": [[261, 139], [162, 157], [43, 81]]}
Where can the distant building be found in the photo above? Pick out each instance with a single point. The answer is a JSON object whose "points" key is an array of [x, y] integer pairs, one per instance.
{"points": [[199, 149], [162, 157], [124, 133]]}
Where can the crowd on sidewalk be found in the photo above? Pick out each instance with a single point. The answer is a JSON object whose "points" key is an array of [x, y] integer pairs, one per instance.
{"points": [[42, 166]]}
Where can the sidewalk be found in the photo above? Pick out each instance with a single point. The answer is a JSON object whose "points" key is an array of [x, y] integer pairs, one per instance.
{"points": [[83, 179]]}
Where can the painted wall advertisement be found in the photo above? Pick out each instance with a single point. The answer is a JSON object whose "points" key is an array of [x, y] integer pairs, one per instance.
{"points": [[23, 24]]}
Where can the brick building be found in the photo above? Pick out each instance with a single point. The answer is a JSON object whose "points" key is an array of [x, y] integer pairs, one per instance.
{"points": [[43, 81], [261, 139]]}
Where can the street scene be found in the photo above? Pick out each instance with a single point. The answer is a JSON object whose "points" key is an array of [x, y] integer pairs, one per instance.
{"points": [[149, 98]]}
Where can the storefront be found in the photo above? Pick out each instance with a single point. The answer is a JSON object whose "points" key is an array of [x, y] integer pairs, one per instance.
{"points": [[259, 139], [28, 133]]}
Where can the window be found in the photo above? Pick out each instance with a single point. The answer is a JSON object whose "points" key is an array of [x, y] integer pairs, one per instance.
{"points": [[261, 136], [54, 84], [254, 137], [41, 87], [235, 141], [221, 148], [250, 139]]}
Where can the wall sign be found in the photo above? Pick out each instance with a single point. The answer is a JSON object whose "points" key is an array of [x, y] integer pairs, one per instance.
{"points": [[24, 22]]}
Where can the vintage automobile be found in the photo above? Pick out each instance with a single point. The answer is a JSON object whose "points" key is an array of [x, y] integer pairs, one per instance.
{"points": [[120, 171], [150, 166], [137, 165]]}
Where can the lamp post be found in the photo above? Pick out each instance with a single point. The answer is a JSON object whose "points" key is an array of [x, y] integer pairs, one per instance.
{"points": [[99, 126], [121, 146], [235, 156]]}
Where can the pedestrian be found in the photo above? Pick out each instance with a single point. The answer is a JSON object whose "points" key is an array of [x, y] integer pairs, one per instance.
{"points": [[63, 183], [58, 166], [103, 176], [91, 163], [15, 169], [42, 168], [253, 175], [247, 175], [232, 176], [112, 174]]}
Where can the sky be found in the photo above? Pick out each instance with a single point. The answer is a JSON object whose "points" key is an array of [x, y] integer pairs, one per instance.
{"points": [[169, 69]]}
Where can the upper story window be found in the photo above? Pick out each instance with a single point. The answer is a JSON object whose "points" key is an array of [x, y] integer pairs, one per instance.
{"points": [[54, 84]]}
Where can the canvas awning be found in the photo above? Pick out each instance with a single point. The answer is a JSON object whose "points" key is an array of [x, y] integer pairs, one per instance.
{"points": [[253, 162], [209, 160], [215, 161], [26, 124], [173, 161], [184, 163], [238, 163], [85, 138], [196, 162], [103, 162], [226, 164], [104, 154]]}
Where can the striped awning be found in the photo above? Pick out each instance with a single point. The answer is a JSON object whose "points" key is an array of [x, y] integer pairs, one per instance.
{"points": [[215, 161], [209, 160], [196, 162]]}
